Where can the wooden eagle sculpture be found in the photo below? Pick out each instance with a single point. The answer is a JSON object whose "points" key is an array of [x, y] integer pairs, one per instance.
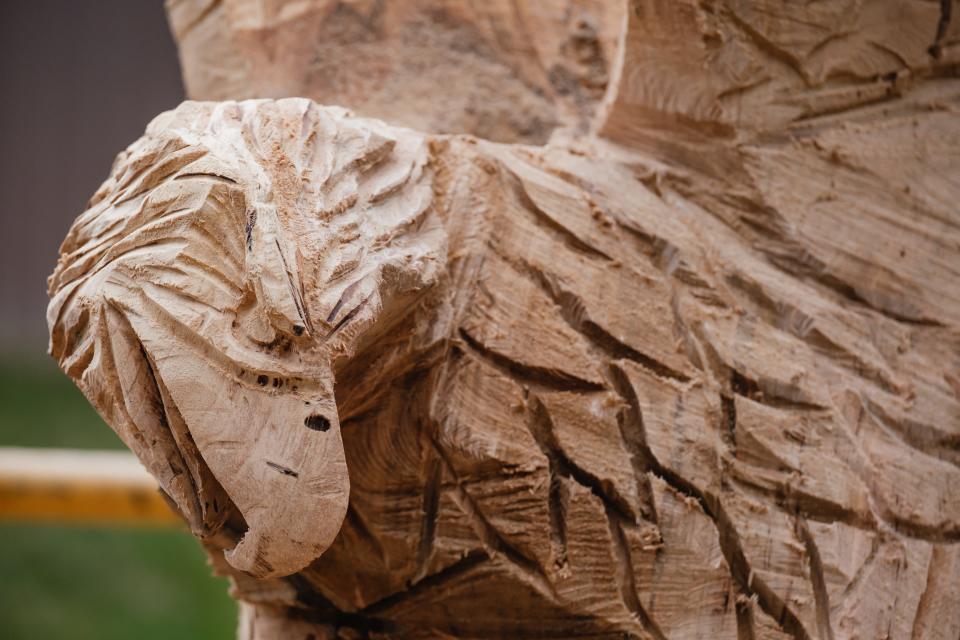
{"points": [[660, 341]]}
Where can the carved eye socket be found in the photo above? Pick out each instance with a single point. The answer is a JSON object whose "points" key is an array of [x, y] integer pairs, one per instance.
{"points": [[317, 422]]}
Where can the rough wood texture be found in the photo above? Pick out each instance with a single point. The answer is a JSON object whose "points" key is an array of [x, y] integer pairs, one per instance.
{"points": [[696, 374], [509, 71]]}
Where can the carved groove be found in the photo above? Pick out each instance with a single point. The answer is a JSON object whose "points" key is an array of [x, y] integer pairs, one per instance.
{"points": [[551, 379], [493, 541], [542, 429], [730, 544], [623, 573], [816, 577]]}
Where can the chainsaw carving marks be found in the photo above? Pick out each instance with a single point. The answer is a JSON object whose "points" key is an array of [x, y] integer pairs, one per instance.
{"points": [[236, 253], [571, 399]]}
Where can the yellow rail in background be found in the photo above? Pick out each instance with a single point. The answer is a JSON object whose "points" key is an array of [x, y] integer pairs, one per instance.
{"points": [[74, 486]]}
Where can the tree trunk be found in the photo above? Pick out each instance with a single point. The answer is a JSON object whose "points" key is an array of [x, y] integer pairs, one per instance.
{"points": [[689, 369]]}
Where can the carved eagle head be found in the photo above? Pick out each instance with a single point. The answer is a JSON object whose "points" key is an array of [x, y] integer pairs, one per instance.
{"points": [[238, 254]]}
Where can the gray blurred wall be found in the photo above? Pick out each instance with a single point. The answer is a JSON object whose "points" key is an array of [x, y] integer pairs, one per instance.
{"points": [[79, 81]]}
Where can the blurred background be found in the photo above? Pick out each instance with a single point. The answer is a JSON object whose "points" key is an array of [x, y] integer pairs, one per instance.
{"points": [[80, 80]]}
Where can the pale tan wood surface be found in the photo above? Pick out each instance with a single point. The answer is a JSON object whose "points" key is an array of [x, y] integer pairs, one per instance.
{"points": [[509, 71], [696, 374]]}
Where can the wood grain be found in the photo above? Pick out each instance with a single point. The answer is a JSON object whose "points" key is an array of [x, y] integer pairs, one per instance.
{"points": [[694, 372]]}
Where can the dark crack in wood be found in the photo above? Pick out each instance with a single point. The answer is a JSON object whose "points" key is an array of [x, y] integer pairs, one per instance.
{"points": [[525, 568], [543, 431], [539, 376], [817, 580], [624, 576], [430, 507], [730, 544]]}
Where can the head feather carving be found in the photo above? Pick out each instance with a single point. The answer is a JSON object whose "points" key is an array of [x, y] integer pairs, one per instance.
{"points": [[235, 253]]}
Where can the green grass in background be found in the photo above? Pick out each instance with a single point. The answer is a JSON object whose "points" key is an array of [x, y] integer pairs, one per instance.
{"points": [[93, 582]]}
